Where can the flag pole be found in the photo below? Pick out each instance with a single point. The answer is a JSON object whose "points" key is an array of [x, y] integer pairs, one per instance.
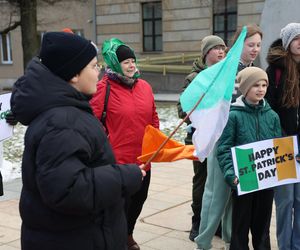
{"points": [[174, 131], [238, 45]]}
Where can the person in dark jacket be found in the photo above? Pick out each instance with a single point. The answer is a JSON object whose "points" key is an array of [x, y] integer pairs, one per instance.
{"points": [[73, 191], [284, 97], [212, 51], [251, 119]]}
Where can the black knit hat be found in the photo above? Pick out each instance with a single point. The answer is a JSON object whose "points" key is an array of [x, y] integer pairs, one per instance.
{"points": [[124, 52], [66, 54]]}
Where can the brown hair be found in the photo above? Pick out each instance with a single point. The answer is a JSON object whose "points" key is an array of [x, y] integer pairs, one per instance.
{"points": [[252, 29], [291, 93], [291, 90]]}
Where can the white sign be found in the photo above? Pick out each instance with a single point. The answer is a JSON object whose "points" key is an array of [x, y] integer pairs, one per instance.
{"points": [[266, 164], [6, 130]]}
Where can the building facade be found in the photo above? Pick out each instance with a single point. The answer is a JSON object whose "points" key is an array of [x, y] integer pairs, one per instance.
{"points": [[52, 16], [172, 26], [151, 27]]}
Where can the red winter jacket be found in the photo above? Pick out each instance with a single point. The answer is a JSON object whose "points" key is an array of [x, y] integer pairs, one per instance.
{"points": [[129, 111]]}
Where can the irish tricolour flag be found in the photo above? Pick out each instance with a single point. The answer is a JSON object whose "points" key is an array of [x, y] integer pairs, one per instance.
{"points": [[216, 83], [266, 164]]}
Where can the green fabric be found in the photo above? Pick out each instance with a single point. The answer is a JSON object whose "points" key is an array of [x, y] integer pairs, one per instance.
{"points": [[246, 124], [109, 48], [216, 205], [196, 69], [248, 181]]}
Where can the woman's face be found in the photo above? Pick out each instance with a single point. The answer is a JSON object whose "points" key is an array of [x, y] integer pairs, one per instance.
{"points": [[252, 47], [128, 67], [295, 48]]}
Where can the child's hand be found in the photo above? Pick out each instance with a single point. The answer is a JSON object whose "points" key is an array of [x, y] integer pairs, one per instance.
{"points": [[236, 181], [142, 166]]}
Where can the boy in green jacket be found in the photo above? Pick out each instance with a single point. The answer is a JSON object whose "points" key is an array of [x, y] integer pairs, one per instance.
{"points": [[250, 119]]}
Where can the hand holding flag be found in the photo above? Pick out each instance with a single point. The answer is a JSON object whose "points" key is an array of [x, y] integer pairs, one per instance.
{"points": [[171, 151]]}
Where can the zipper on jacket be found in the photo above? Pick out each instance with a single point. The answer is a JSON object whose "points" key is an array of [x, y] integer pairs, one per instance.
{"points": [[257, 125]]}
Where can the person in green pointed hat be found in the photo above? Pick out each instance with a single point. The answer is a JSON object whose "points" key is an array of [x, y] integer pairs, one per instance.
{"points": [[114, 53], [124, 103]]}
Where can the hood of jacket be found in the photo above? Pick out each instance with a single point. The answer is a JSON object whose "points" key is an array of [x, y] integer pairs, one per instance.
{"points": [[241, 105], [198, 66], [39, 90], [274, 59]]}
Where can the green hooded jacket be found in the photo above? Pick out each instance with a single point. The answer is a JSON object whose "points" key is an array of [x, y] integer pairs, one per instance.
{"points": [[247, 123], [198, 66]]}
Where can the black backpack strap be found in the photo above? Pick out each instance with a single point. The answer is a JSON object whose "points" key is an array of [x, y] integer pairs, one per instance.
{"points": [[103, 116]]}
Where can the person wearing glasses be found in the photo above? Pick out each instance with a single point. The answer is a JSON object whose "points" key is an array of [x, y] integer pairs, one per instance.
{"points": [[73, 192]]}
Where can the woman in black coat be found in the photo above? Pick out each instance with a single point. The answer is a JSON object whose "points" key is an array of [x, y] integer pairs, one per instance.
{"points": [[73, 192], [284, 97]]}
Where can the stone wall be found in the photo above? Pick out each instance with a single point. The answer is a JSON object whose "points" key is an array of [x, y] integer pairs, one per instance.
{"points": [[170, 83], [185, 23], [276, 14], [249, 11], [75, 14]]}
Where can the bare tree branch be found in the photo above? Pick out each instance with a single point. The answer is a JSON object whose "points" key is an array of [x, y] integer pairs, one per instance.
{"points": [[10, 27]]}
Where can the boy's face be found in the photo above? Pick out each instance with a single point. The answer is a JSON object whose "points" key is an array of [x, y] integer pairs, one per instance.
{"points": [[86, 81], [257, 92], [215, 55]]}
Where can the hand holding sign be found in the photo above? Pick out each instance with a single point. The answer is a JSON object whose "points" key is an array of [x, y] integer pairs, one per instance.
{"points": [[266, 164], [11, 119]]}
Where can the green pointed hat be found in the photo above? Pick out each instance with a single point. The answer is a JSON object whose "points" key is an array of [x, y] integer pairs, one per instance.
{"points": [[109, 48]]}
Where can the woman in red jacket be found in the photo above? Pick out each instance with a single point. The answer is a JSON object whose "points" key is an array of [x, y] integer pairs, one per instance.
{"points": [[129, 106]]}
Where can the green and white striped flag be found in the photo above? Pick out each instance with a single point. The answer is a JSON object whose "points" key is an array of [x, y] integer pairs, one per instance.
{"points": [[217, 83]]}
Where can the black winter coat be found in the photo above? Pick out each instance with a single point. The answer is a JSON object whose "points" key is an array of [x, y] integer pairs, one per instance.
{"points": [[289, 117], [73, 192]]}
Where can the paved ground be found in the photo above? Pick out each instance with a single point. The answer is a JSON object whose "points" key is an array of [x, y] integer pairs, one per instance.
{"points": [[164, 222]]}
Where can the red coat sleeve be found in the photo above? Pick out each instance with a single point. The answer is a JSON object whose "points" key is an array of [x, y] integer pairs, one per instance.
{"points": [[97, 101], [155, 119]]}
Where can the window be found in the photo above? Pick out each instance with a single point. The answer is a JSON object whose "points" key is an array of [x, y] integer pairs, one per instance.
{"points": [[152, 26], [6, 57], [225, 18]]}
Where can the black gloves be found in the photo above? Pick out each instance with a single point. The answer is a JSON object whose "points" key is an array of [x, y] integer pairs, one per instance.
{"points": [[11, 119]]}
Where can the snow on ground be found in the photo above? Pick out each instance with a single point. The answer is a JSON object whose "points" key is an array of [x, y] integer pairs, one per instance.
{"points": [[11, 155]]}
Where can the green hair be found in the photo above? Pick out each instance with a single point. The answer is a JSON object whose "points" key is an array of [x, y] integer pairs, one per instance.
{"points": [[109, 48]]}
